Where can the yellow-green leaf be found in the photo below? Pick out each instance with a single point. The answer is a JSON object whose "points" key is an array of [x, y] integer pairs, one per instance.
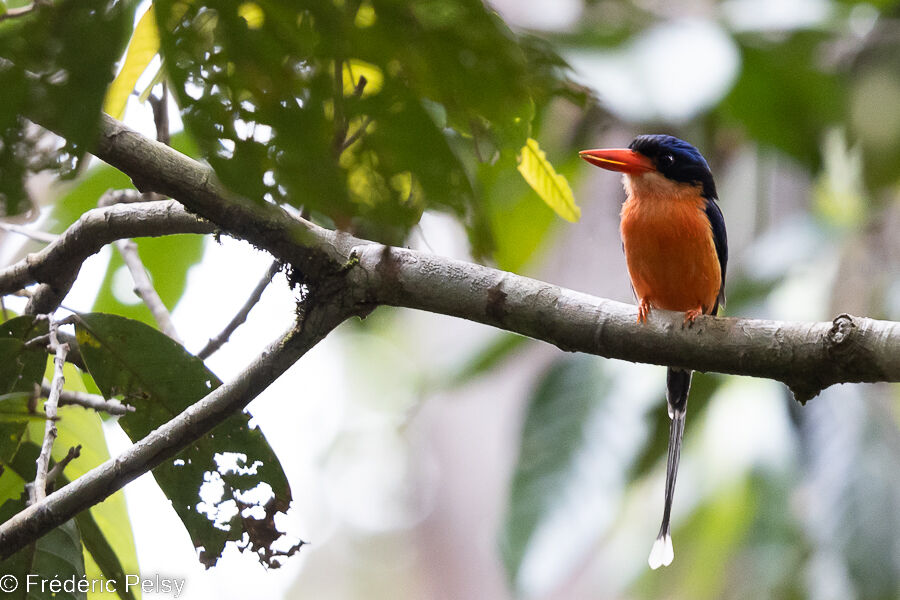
{"points": [[543, 179], [354, 69], [144, 45], [253, 14]]}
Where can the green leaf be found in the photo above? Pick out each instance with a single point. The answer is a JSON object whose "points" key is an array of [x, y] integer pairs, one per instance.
{"points": [[549, 185], [144, 45], [100, 545], [783, 99], [273, 99], [558, 413], [160, 379], [711, 537], [496, 352], [86, 191], [105, 528], [58, 62], [21, 369], [55, 556], [703, 386], [103, 555], [168, 259]]}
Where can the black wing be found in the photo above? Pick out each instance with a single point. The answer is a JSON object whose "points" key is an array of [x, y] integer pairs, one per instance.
{"points": [[717, 222]]}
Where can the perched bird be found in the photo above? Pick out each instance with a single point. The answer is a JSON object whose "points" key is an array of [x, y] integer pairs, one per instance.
{"points": [[676, 249]]}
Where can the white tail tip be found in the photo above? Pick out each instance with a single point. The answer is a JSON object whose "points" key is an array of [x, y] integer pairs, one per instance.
{"points": [[662, 553]]}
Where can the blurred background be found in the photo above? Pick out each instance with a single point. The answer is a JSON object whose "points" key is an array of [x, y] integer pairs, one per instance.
{"points": [[439, 459]]}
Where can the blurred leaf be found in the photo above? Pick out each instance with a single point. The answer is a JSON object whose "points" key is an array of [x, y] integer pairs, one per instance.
{"points": [[20, 369], [274, 105], [492, 355], [252, 13], [160, 379], [55, 556], [874, 119], [86, 191], [144, 45], [553, 433], [711, 537], [543, 179], [782, 98], [106, 527], [106, 563], [462, 55], [52, 74], [358, 72], [703, 386], [102, 562], [168, 260], [775, 547], [839, 193], [518, 223]]}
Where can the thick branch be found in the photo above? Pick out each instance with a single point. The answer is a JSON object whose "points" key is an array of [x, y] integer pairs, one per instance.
{"points": [[806, 356], [169, 439], [58, 264], [155, 167]]}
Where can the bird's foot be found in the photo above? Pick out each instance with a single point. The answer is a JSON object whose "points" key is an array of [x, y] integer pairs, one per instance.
{"points": [[643, 310], [691, 315]]}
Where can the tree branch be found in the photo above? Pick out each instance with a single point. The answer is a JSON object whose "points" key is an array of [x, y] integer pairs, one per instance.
{"points": [[215, 343], [806, 356], [54, 473], [57, 265], [91, 401], [22, 11], [155, 167], [43, 460], [32, 234], [143, 287], [318, 320], [351, 276]]}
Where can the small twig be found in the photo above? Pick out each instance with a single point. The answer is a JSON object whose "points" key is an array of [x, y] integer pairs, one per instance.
{"points": [[215, 343], [340, 123], [111, 197], [38, 236], [14, 13], [43, 459], [360, 86], [143, 287], [360, 131], [91, 401], [57, 469], [160, 107]]}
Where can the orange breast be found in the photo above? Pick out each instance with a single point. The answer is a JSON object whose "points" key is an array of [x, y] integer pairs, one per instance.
{"points": [[669, 249]]}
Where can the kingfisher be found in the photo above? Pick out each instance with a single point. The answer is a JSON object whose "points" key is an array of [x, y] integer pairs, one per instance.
{"points": [[676, 250]]}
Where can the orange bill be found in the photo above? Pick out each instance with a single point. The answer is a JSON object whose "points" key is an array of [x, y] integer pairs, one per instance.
{"points": [[619, 159]]}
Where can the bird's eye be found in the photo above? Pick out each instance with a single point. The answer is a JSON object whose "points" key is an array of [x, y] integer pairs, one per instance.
{"points": [[667, 159]]}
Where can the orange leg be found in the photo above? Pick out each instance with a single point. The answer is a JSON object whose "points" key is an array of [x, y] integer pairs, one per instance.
{"points": [[643, 310], [691, 315]]}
